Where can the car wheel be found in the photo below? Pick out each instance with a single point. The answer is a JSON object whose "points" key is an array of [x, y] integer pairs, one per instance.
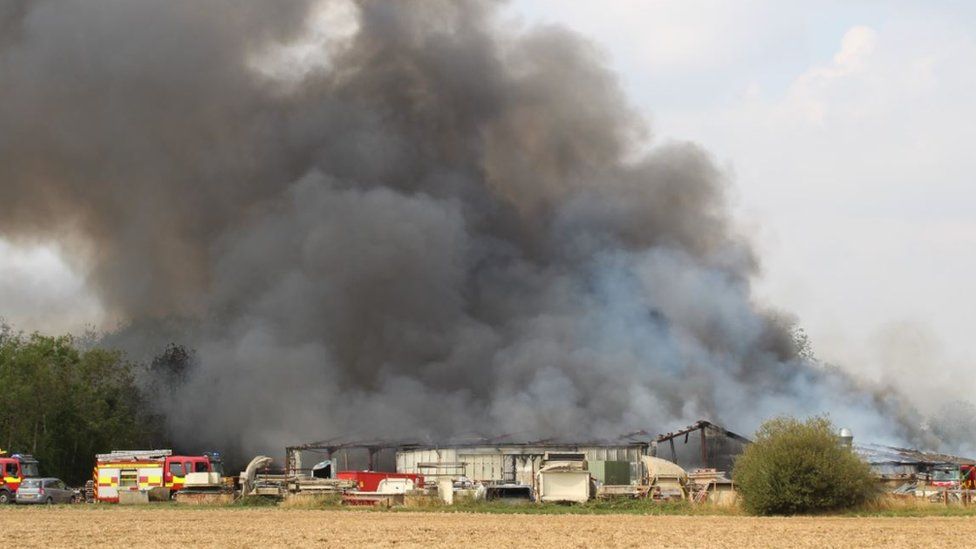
{"points": [[50, 501], [74, 499], [5, 497]]}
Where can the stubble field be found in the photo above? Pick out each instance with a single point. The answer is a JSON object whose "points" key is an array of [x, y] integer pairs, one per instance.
{"points": [[267, 527]]}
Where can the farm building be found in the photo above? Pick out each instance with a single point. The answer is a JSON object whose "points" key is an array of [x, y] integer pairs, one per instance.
{"points": [[515, 462], [507, 467], [501, 460], [503, 467], [703, 445], [895, 466], [483, 460]]}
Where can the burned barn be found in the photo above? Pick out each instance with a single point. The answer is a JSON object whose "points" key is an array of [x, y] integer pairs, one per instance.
{"points": [[703, 445], [327, 457], [505, 459], [513, 462], [698, 459], [498, 460], [895, 466]]}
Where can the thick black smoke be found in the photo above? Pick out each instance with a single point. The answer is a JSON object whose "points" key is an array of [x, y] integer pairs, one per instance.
{"points": [[426, 224]]}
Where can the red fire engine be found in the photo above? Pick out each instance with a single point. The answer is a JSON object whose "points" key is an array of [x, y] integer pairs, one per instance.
{"points": [[15, 469], [144, 471]]}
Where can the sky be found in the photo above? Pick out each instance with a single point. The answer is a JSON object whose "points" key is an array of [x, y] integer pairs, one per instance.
{"points": [[845, 129]]}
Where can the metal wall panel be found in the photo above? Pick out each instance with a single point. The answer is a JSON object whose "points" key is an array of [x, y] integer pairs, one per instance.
{"points": [[408, 461], [504, 463], [483, 466]]}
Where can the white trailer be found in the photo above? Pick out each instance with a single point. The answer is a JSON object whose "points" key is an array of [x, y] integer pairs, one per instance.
{"points": [[563, 478]]}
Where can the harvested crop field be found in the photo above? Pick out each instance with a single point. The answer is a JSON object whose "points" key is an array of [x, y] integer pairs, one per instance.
{"points": [[175, 527]]}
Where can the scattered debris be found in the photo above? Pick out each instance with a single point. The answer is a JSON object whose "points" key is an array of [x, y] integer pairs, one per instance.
{"points": [[502, 469]]}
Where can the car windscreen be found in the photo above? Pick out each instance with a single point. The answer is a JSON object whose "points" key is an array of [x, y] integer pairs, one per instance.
{"points": [[29, 469], [31, 483]]}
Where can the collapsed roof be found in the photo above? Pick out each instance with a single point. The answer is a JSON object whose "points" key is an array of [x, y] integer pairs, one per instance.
{"points": [[878, 454]]}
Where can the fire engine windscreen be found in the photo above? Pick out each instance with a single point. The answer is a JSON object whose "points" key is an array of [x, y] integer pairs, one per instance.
{"points": [[29, 469], [410, 219]]}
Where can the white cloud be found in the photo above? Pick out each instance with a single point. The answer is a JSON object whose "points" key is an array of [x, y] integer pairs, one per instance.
{"points": [[807, 94], [849, 134], [39, 291], [859, 178], [331, 25]]}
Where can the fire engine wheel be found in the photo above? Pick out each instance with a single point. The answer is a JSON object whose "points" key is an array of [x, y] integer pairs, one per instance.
{"points": [[5, 497]]}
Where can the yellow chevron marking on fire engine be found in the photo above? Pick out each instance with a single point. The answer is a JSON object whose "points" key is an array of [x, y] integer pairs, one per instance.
{"points": [[155, 480]]}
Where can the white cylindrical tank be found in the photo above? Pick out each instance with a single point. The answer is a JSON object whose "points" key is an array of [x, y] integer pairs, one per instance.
{"points": [[445, 489], [846, 437]]}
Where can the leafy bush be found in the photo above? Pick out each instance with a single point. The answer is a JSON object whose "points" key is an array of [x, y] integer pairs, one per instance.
{"points": [[800, 467]]}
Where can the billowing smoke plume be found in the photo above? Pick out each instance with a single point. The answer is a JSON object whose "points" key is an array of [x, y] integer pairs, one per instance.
{"points": [[389, 218]]}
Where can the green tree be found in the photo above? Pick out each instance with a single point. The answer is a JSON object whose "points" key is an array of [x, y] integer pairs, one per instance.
{"points": [[800, 467], [64, 405]]}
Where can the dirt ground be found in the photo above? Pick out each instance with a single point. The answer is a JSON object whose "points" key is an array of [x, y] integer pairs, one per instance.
{"points": [[176, 527]]}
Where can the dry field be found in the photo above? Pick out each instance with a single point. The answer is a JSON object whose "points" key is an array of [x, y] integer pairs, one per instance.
{"points": [[177, 527]]}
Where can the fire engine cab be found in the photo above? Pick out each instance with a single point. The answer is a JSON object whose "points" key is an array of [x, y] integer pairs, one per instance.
{"points": [[15, 469], [177, 468]]}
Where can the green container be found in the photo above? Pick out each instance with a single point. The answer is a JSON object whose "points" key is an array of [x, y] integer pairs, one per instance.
{"points": [[610, 472]]}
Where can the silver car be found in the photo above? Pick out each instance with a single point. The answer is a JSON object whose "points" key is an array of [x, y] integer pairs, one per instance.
{"points": [[45, 490]]}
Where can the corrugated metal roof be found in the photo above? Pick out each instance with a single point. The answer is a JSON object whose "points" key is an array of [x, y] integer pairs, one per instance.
{"points": [[880, 454], [630, 439]]}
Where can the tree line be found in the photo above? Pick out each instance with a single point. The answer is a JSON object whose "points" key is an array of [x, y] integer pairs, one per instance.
{"points": [[63, 403]]}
